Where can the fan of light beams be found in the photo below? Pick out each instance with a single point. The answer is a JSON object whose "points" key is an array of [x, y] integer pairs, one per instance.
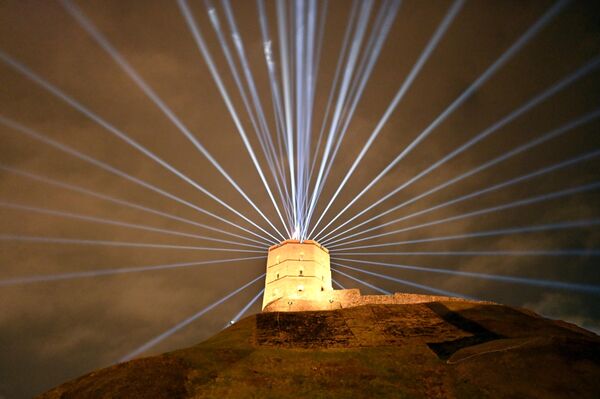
{"points": [[296, 159]]}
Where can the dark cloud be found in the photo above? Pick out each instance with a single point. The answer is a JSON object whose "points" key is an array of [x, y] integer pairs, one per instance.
{"points": [[50, 332]]}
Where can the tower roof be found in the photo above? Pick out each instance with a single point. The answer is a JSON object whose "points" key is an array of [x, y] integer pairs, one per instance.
{"points": [[291, 241]]}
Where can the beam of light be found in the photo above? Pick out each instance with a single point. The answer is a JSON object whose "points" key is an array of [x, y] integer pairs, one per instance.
{"points": [[510, 205], [71, 151], [489, 72], [429, 48], [284, 56], [559, 252], [154, 341], [582, 288], [267, 45], [320, 36], [239, 314], [524, 147], [239, 46], [112, 222], [202, 47], [77, 241], [72, 102], [299, 32], [260, 127], [108, 198], [44, 278], [336, 76], [314, 64], [488, 233], [406, 282], [587, 68], [91, 29], [382, 26], [20, 68], [308, 87], [338, 284], [350, 65], [275, 91], [519, 179], [374, 287], [380, 29]]}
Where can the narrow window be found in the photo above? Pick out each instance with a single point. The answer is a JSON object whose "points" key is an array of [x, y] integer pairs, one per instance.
{"points": [[277, 275], [301, 272], [322, 289]]}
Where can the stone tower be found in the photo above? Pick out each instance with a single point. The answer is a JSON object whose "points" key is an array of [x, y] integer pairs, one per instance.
{"points": [[297, 272], [299, 279]]}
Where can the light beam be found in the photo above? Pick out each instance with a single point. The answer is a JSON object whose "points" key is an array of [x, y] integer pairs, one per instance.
{"points": [[104, 166], [374, 287], [431, 45], [112, 222], [489, 72], [44, 278], [77, 241], [489, 233], [582, 288], [154, 341], [239, 314], [507, 183], [405, 282], [85, 23], [114, 200], [202, 47]]}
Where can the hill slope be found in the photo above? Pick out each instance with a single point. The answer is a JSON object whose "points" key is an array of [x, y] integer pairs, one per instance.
{"points": [[428, 350]]}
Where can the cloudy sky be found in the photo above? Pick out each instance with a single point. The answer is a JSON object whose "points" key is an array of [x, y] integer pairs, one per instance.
{"points": [[56, 330]]}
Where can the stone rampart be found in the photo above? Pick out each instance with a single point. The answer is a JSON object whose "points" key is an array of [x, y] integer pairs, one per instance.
{"points": [[338, 299]]}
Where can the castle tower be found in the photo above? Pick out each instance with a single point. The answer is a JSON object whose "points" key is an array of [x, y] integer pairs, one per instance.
{"points": [[298, 279], [297, 272]]}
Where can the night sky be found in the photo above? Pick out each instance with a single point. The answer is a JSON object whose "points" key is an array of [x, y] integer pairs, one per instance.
{"points": [[54, 331]]}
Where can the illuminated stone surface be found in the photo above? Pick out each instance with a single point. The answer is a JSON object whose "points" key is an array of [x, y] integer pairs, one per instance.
{"points": [[299, 278], [297, 272]]}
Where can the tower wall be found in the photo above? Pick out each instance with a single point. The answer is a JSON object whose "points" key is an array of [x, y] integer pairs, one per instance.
{"points": [[298, 271]]}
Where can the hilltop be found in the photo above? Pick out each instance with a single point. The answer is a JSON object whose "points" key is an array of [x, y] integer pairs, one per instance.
{"points": [[439, 349]]}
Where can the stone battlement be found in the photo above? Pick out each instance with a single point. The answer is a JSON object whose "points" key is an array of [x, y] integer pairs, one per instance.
{"points": [[339, 299]]}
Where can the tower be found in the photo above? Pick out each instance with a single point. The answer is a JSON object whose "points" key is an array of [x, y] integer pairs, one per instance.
{"points": [[297, 271]]}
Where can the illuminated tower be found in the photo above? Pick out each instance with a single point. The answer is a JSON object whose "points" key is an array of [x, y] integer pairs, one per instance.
{"points": [[297, 272]]}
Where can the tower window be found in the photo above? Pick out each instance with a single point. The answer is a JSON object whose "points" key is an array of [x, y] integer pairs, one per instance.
{"points": [[301, 272], [277, 275], [322, 289]]}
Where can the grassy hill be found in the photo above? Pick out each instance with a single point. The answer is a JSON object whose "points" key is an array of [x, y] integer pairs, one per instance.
{"points": [[428, 350]]}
